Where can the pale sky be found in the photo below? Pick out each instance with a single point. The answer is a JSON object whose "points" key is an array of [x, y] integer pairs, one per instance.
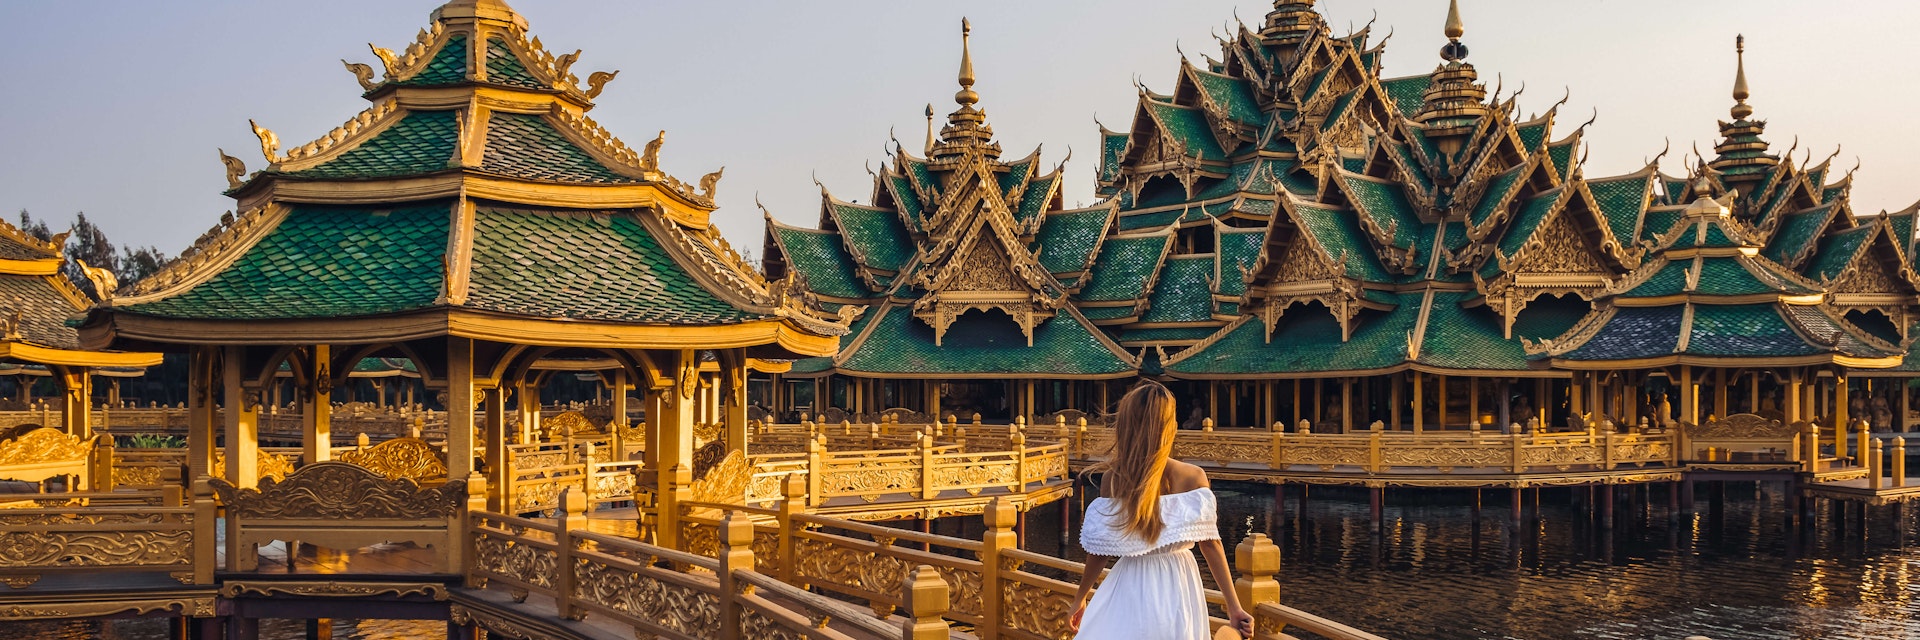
{"points": [[115, 108]]}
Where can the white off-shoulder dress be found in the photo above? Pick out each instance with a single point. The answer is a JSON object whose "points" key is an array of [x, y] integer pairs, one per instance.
{"points": [[1153, 591]]}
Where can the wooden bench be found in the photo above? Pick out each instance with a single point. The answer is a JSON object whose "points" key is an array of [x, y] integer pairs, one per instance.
{"points": [[340, 505]]}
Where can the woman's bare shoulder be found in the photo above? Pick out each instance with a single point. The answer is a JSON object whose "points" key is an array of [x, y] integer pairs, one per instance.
{"points": [[1183, 477]]}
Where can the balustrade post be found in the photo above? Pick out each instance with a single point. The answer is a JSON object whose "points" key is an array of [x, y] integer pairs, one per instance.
{"points": [[1079, 436], [1257, 560], [736, 554], [573, 516], [816, 468], [923, 449], [1206, 425], [1875, 463], [1899, 461], [1019, 442], [102, 471], [205, 550], [1863, 433], [1373, 452], [1811, 438], [793, 502], [1276, 444], [1606, 448], [873, 435], [1519, 458], [927, 602], [999, 518]]}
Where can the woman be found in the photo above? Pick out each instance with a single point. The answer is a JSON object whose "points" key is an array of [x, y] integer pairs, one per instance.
{"points": [[1151, 513]]}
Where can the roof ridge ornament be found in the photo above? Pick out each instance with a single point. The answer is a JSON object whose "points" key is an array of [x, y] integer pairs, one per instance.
{"points": [[1740, 109], [1454, 51]]}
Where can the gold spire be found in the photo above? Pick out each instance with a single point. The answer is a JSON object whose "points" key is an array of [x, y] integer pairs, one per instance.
{"points": [[1740, 107], [930, 139], [966, 97], [1455, 27]]}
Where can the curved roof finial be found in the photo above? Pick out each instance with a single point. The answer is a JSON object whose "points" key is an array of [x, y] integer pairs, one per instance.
{"points": [[1454, 51], [966, 97], [1740, 107]]}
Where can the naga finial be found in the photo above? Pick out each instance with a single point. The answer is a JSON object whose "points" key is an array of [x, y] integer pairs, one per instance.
{"points": [[269, 143], [389, 63], [650, 156], [710, 183], [362, 73], [236, 170], [597, 82]]}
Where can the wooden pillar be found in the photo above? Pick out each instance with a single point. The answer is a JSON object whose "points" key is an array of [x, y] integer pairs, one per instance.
{"points": [[316, 406], [1440, 400], [1753, 392], [1720, 393], [1213, 400], [1540, 400], [493, 403], [733, 394], [1393, 401], [1419, 412], [1840, 417], [460, 408], [242, 422], [1319, 396], [1296, 403], [1346, 405], [1791, 408], [933, 399], [1473, 407], [1900, 387], [617, 401], [76, 386], [1689, 393], [1503, 404], [675, 468], [201, 361]]}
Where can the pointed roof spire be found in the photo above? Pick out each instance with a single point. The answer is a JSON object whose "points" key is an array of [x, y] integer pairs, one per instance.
{"points": [[1740, 107], [930, 138], [966, 97], [1453, 51]]}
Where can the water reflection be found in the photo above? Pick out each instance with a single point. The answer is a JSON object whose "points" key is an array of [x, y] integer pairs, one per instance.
{"points": [[1736, 572]]}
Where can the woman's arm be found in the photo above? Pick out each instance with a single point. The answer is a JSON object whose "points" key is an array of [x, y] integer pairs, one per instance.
{"points": [[1095, 565], [1216, 555]]}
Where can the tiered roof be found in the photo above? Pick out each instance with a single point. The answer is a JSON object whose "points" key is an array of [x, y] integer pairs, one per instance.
{"points": [[1287, 211], [37, 301], [474, 197]]}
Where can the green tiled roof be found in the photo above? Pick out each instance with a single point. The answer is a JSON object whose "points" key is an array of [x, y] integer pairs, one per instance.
{"points": [[1538, 321], [1727, 276], [1129, 222], [1633, 332], [1235, 95], [1407, 93], [1832, 193], [811, 365], [1307, 340], [1707, 233], [1106, 313], [11, 249], [1183, 292], [1067, 239], [584, 266], [1016, 175], [1622, 201], [1796, 233], [1462, 338], [980, 343], [1496, 194], [1237, 249], [1033, 202], [901, 188], [1744, 330], [505, 68], [876, 237], [1339, 108], [820, 258], [1113, 149], [1187, 128], [1387, 204], [1531, 217], [325, 262], [527, 146], [1338, 232], [1562, 157], [1412, 164], [1836, 251], [1165, 334], [1669, 280], [917, 170], [421, 142], [1531, 135], [1674, 188], [43, 310], [1123, 267], [1659, 222], [448, 66]]}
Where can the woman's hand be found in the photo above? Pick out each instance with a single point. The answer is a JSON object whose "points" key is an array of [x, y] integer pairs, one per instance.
{"points": [[1078, 610], [1239, 619]]}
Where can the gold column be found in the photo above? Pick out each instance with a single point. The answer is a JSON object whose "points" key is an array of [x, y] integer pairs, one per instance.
{"points": [[76, 385], [242, 423], [1574, 396], [617, 399], [493, 402], [1296, 403], [933, 399], [200, 430], [1473, 403], [1720, 393], [1540, 399], [676, 444], [1213, 401], [316, 406], [1840, 417], [1688, 391], [735, 394], [1419, 412], [1346, 405], [459, 408], [1440, 415], [1319, 396], [1393, 401]]}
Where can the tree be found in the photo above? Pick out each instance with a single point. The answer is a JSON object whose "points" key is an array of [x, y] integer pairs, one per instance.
{"points": [[137, 264], [35, 228]]}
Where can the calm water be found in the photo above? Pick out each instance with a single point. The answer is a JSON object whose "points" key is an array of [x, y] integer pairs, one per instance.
{"points": [[1740, 574]]}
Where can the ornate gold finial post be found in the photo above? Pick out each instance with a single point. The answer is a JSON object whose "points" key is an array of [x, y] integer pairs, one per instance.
{"points": [[966, 97], [927, 602], [930, 139], [1455, 27], [1257, 560], [999, 518], [1740, 107]]}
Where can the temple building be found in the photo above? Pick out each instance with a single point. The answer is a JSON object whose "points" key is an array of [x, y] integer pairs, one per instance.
{"points": [[1292, 235]]}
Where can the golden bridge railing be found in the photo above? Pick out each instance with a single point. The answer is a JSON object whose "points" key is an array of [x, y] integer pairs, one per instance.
{"points": [[98, 534], [660, 592], [997, 588], [540, 471], [1380, 452], [924, 470]]}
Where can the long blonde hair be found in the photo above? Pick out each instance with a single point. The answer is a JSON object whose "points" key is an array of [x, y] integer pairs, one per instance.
{"points": [[1137, 461]]}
